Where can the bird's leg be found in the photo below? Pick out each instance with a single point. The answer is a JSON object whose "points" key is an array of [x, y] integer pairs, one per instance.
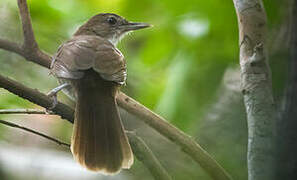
{"points": [[53, 94]]}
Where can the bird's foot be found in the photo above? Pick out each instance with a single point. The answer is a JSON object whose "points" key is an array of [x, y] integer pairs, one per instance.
{"points": [[53, 95]]}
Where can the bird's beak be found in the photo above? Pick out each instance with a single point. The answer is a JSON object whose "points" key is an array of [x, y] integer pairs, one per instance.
{"points": [[130, 26]]}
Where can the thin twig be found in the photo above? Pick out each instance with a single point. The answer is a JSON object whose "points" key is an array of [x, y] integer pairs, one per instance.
{"points": [[34, 132], [147, 157], [189, 145], [25, 111], [30, 46], [36, 97], [29, 38]]}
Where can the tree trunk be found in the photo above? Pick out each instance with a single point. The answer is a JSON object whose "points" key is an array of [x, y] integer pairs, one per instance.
{"points": [[257, 89]]}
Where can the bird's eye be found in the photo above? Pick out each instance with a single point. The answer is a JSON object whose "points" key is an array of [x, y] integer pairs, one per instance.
{"points": [[111, 20]]}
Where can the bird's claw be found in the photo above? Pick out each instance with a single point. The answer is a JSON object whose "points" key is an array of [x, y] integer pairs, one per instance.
{"points": [[52, 95]]}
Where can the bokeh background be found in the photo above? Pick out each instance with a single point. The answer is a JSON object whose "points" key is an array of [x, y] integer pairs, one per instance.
{"points": [[185, 68]]}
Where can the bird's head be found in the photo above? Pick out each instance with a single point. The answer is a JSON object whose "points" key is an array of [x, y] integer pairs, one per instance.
{"points": [[109, 26]]}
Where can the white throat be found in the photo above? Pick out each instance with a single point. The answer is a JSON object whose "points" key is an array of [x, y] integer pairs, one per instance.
{"points": [[115, 38]]}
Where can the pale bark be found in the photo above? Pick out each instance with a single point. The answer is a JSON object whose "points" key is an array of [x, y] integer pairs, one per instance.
{"points": [[257, 89], [24, 111]]}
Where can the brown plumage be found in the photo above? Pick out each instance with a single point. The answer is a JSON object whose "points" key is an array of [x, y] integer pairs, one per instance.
{"points": [[98, 141], [95, 69]]}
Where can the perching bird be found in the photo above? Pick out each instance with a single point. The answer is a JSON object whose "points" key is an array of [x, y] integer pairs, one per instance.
{"points": [[91, 69]]}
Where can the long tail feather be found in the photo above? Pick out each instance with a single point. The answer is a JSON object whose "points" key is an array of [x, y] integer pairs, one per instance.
{"points": [[99, 142]]}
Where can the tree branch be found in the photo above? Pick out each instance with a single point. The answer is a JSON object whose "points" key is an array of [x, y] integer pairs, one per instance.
{"points": [[189, 145], [24, 111], [257, 89], [11, 46], [29, 49], [36, 56], [30, 43], [36, 97], [147, 157], [34, 132]]}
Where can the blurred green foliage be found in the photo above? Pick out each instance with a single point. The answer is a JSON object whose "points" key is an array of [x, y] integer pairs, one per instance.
{"points": [[174, 68]]}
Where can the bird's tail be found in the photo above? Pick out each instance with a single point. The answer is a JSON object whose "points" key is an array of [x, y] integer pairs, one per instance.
{"points": [[99, 142]]}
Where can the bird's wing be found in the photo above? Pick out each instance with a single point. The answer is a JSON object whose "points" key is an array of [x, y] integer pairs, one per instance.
{"points": [[110, 63], [85, 52]]}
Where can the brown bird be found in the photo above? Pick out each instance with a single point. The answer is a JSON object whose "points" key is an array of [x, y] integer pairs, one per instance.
{"points": [[90, 70]]}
